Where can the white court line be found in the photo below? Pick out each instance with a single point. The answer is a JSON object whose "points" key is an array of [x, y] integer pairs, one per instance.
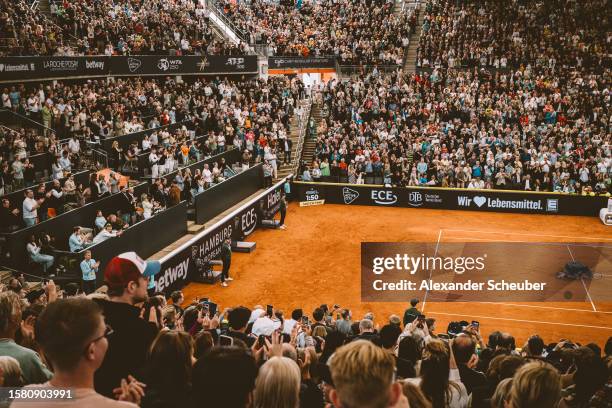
{"points": [[525, 234], [585, 244], [532, 306], [431, 270], [519, 320], [582, 280], [565, 309]]}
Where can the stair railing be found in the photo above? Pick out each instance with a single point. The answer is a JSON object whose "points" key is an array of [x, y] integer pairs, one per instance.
{"points": [[303, 126]]}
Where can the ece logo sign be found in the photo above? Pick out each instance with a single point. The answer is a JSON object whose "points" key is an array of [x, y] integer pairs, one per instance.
{"points": [[248, 221], [384, 197]]}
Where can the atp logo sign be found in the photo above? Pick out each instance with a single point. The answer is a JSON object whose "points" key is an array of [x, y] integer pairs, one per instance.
{"points": [[349, 195]]}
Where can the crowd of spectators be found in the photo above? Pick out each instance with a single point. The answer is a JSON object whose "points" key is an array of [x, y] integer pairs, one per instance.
{"points": [[126, 343], [364, 32], [539, 126], [19, 170], [175, 27], [110, 28], [97, 109], [25, 31], [548, 35]]}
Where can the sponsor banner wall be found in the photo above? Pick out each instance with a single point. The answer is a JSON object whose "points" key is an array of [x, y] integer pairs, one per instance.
{"points": [[31, 68], [281, 62], [183, 65], [20, 68], [451, 199], [179, 265]]}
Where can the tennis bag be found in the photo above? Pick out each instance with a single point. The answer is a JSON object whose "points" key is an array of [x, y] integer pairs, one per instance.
{"points": [[575, 270]]}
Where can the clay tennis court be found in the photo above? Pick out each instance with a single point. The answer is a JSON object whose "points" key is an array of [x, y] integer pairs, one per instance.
{"points": [[316, 260]]}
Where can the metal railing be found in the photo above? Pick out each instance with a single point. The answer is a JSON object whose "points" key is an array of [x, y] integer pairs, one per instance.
{"points": [[24, 121], [214, 8], [99, 156], [303, 125]]}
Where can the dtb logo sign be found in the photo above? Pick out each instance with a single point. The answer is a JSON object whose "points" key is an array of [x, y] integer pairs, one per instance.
{"points": [[384, 197], [415, 199]]}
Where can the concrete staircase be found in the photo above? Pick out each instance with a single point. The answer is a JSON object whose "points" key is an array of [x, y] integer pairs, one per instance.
{"points": [[411, 54], [294, 135], [44, 6], [310, 143], [397, 6]]}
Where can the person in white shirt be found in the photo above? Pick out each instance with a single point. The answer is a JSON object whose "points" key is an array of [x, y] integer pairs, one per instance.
{"points": [[29, 210], [6, 99], [33, 249], [146, 143], [73, 324], [265, 325], [105, 234], [147, 207], [74, 145], [207, 176], [289, 324], [153, 159]]}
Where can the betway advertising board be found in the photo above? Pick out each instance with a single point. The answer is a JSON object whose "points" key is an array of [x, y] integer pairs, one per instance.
{"points": [[179, 265], [451, 199]]}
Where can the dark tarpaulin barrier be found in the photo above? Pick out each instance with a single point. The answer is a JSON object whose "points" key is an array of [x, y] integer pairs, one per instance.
{"points": [[228, 193], [145, 238]]}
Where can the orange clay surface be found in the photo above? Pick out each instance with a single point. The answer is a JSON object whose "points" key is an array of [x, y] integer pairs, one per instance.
{"points": [[316, 260]]}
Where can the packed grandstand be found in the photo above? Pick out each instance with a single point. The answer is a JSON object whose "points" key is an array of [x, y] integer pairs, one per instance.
{"points": [[122, 121]]}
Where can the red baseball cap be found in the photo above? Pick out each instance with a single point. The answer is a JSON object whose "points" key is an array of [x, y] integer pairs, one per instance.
{"points": [[128, 267]]}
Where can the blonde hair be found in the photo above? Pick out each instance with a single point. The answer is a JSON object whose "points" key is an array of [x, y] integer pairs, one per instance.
{"points": [[319, 331], [416, 398], [278, 384], [11, 372], [10, 311], [502, 393], [536, 384], [362, 374]]}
